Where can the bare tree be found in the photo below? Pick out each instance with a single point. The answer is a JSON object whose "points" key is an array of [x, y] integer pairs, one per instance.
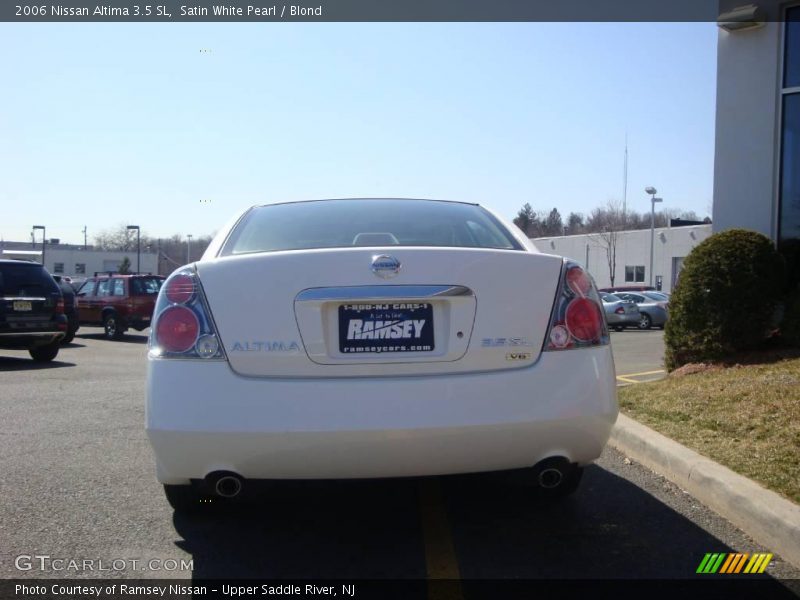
{"points": [[171, 251], [116, 238], [612, 220]]}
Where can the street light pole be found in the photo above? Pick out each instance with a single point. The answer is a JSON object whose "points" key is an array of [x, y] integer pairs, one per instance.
{"points": [[188, 247], [138, 247], [44, 238], [652, 191]]}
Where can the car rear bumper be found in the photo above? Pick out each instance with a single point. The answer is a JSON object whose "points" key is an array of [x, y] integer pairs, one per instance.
{"points": [[615, 319], [658, 316], [138, 322], [202, 417], [25, 340]]}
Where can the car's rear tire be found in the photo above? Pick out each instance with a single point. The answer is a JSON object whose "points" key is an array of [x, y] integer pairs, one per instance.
{"points": [[645, 322], [184, 498], [618, 328], [45, 353], [68, 338], [112, 326]]}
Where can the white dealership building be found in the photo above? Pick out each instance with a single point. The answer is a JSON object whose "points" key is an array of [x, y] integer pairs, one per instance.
{"points": [[77, 261], [632, 251]]}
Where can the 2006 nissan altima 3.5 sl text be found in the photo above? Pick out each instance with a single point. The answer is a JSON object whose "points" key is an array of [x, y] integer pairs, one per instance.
{"points": [[368, 338]]}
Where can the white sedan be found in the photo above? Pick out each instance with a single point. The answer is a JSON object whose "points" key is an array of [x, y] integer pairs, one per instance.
{"points": [[366, 338]]}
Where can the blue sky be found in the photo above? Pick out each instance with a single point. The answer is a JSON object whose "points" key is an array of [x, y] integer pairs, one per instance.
{"points": [[108, 124]]}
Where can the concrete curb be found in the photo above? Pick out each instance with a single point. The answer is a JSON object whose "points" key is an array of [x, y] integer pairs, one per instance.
{"points": [[768, 518]]}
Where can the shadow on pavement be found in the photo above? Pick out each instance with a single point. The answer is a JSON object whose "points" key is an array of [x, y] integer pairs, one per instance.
{"points": [[12, 363], [73, 344], [128, 338], [609, 529], [322, 529]]}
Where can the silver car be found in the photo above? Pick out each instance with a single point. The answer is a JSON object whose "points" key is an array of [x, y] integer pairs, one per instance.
{"points": [[620, 313], [653, 307]]}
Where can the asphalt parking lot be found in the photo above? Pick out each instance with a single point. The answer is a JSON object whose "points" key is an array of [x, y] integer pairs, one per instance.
{"points": [[638, 355], [78, 483]]}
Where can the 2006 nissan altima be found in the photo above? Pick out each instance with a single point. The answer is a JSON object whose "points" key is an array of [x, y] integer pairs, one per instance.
{"points": [[365, 338]]}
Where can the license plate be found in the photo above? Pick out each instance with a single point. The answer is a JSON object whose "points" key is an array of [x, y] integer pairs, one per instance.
{"points": [[386, 327], [22, 305]]}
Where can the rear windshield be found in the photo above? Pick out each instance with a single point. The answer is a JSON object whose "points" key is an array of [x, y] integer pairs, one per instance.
{"points": [[610, 298], [145, 286], [343, 223], [25, 279]]}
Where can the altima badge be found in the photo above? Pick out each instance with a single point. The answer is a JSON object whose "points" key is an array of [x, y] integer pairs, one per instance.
{"points": [[385, 266]]}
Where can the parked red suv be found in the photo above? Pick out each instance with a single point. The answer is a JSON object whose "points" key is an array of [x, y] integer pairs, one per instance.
{"points": [[118, 302]]}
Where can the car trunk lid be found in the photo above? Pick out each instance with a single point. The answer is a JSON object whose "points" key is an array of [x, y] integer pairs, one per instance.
{"points": [[325, 313]]}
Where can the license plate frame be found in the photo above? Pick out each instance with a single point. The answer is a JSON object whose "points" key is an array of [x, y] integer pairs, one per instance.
{"points": [[403, 327], [22, 306]]}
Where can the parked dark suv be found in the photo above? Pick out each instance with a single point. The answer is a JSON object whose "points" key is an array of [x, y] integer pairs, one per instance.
{"points": [[118, 302], [31, 309]]}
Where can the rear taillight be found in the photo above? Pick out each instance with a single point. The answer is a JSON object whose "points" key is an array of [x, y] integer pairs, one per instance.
{"points": [[182, 323], [60, 306], [578, 320], [180, 288], [177, 329], [620, 310]]}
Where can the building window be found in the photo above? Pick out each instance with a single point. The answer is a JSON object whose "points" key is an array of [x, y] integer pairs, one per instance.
{"points": [[790, 177], [58, 267], [791, 61], [80, 268], [789, 203], [634, 274]]}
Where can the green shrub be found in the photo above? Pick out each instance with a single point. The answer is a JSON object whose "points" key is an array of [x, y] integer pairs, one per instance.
{"points": [[726, 298]]}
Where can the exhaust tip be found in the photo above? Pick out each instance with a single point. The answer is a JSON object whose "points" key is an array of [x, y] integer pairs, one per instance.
{"points": [[550, 478], [556, 477], [225, 484]]}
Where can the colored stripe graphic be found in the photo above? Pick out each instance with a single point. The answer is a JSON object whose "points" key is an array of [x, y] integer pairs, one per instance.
{"points": [[718, 562], [710, 565], [734, 562], [758, 562], [702, 566], [765, 563], [753, 560], [728, 562], [737, 558], [741, 563]]}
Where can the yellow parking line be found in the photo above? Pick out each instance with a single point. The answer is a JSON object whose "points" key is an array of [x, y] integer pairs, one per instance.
{"points": [[440, 554], [626, 380], [640, 374]]}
